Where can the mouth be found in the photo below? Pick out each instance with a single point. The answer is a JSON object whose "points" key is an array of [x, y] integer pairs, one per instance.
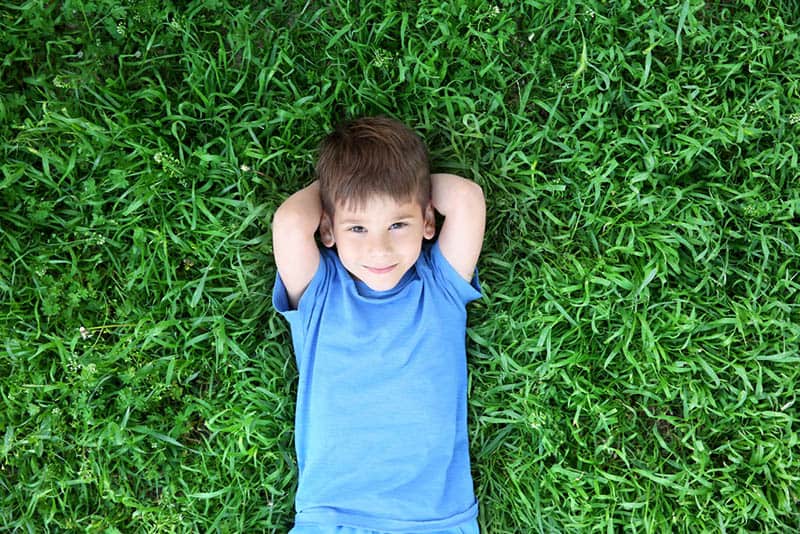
{"points": [[381, 270]]}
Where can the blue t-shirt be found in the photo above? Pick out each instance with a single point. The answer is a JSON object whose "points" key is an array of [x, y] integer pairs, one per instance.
{"points": [[381, 420]]}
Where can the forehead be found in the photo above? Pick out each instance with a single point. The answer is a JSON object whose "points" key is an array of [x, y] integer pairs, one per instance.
{"points": [[378, 207]]}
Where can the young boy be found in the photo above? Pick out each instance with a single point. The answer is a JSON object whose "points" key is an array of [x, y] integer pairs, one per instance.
{"points": [[378, 325]]}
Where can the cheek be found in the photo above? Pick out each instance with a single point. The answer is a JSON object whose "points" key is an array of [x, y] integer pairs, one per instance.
{"points": [[347, 246], [410, 244]]}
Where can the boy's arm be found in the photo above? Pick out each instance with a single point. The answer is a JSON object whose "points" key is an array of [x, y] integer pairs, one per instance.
{"points": [[462, 203], [293, 245]]}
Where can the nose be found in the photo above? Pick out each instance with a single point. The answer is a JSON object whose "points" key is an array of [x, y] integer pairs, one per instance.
{"points": [[379, 245]]}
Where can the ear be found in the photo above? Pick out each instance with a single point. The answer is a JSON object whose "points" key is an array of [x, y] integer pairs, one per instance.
{"points": [[429, 222], [326, 230]]}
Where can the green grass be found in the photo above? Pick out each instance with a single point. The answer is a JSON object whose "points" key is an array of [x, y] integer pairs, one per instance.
{"points": [[634, 361]]}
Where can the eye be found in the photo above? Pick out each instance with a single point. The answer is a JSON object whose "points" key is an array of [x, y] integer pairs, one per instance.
{"points": [[357, 229], [398, 225]]}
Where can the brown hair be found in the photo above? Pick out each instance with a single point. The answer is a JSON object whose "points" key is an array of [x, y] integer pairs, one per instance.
{"points": [[372, 156]]}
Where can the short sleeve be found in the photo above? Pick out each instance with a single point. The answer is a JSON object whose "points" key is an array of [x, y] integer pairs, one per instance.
{"points": [[454, 283], [280, 297]]}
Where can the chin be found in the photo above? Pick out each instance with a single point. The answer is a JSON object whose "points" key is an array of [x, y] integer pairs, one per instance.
{"points": [[384, 282], [381, 285]]}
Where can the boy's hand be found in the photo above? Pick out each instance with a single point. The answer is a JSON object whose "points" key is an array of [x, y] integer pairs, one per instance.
{"points": [[462, 203], [293, 245]]}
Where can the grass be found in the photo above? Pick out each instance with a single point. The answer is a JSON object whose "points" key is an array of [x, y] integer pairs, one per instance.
{"points": [[634, 361]]}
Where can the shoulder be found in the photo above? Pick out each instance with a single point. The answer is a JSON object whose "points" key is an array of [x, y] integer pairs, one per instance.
{"points": [[434, 268], [326, 274]]}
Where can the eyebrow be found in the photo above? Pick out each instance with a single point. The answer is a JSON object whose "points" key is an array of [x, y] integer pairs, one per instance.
{"points": [[401, 218]]}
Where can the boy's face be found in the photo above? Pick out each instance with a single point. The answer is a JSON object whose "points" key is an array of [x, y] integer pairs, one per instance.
{"points": [[379, 243]]}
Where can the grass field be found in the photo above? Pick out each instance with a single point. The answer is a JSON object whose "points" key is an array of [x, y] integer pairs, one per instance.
{"points": [[634, 361]]}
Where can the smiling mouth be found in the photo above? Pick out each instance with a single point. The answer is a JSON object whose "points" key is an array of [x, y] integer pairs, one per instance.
{"points": [[381, 270]]}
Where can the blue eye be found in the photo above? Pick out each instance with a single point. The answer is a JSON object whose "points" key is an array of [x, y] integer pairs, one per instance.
{"points": [[397, 226], [358, 229]]}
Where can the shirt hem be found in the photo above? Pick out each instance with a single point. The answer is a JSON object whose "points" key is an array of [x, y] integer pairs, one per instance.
{"points": [[339, 518]]}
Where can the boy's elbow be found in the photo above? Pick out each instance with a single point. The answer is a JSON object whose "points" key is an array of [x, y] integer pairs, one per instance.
{"points": [[466, 201], [286, 220], [280, 217], [478, 191], [473, 194]]}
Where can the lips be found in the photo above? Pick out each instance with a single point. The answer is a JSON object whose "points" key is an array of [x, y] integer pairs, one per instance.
{"points": [[381, 270]]}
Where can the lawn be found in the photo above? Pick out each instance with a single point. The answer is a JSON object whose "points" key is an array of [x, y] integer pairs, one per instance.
{"points": [[634, 362]]}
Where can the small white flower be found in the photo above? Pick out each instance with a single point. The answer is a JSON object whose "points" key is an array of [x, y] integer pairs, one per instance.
{"points": [[245, 168], [85, 334]]}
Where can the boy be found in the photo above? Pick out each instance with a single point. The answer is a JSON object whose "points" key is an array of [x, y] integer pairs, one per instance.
{"points": [[378, 327]]}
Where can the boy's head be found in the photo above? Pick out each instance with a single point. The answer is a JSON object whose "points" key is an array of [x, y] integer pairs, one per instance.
{"points": [[369, 157], [376, 197]]}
